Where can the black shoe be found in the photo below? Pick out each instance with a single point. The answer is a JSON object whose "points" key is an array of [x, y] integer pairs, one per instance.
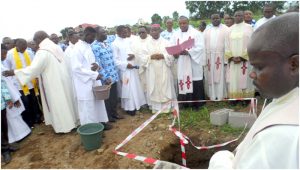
{"points": [[111, 119], [107, 126], [117, 116], [6, 157], [14, 147], [131, 113]]}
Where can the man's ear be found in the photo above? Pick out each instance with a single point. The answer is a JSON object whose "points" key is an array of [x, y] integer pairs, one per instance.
{"points": [[294, 64]]}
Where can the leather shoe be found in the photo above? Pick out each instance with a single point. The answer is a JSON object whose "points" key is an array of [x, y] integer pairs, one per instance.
{"points": [[14, 147], [107, 126], [111, 119], [6, 157], [116, 116]]}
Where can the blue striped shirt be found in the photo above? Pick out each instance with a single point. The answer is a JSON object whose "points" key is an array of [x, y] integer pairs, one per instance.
{"points": [[104, 57]]}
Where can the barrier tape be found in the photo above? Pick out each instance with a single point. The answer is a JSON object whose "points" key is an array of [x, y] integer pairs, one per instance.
{"points": [[183, 138]]}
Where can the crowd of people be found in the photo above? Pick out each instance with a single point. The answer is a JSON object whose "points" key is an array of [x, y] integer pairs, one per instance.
{"points": [[45, 80]]}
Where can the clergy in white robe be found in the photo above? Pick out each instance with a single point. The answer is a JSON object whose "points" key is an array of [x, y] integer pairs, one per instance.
{"points": [[268, 13], [215, 48], [90, 110], [55, 86], [138, 48], [239, 83], [273, 140], [160, 87], [132, 96], [17, 128], [190, 63], [68, 57]]}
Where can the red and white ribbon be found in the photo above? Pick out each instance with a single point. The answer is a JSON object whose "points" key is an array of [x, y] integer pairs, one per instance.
{"points": [[183, 138]]}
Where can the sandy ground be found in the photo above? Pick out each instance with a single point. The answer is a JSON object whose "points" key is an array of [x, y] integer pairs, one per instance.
{"points": [[45, 149]]}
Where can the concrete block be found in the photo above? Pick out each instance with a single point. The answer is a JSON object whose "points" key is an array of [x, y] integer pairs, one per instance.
{"points": [[219, 117], [239, 119]]}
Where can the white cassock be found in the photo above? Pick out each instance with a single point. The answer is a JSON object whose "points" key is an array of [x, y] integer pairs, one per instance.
{"points": [[271, 143], [90, 110], [261, 21], [17, 128], [215, 71], [160, 83], [68, 62], [138, 48], [132, 96], [55, 86], [190, 68]]}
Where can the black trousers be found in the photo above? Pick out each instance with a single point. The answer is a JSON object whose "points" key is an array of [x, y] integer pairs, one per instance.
{"points": [[198, 94], [112, 101], [4, 132], [32, 113]]}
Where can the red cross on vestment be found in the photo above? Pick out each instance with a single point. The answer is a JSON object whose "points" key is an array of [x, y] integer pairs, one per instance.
{"points": [[208, 64], [181, 84], [218, 62], [244, 67], [189, 39], [188, 82]]}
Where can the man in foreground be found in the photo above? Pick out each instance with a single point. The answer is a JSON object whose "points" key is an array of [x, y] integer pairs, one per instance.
{"points": [[273, 140]]}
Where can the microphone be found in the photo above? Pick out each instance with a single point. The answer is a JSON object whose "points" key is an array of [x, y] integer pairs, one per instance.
{"points": [[136, 67]]}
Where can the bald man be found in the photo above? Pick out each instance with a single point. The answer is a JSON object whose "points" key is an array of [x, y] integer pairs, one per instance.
{"points": [[273, 140], [55, 85]]}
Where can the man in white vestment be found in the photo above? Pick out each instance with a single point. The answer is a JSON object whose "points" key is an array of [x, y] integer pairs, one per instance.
{"points": [[160, 87], [138, 48], [215, 48], [55, 86], [273, 140], [132, 96], [86, 76], [268, 12], [190, 63], [238, 68]]}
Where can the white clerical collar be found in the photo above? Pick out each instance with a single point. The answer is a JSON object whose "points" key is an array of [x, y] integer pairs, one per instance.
{"points": [[293, 93]]}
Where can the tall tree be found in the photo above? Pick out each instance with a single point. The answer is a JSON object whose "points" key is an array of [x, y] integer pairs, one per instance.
{"points": [[204, 9], [175, 15], [156, 19]]}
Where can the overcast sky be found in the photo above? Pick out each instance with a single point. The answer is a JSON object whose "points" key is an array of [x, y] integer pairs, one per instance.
{"points": [[21, 18]]}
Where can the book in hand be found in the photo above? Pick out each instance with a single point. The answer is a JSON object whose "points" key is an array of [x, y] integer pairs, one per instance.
{"points": [[176, 49]]}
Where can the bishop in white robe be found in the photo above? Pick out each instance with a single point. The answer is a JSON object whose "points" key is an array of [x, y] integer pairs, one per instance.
{"points": [[160, 87]]}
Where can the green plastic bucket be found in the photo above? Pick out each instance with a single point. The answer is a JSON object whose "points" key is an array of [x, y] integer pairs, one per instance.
{"points": [[91, 135]]}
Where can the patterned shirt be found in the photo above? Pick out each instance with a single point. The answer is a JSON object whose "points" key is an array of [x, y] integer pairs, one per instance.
{"points": [[5, 95], [104, 58]]}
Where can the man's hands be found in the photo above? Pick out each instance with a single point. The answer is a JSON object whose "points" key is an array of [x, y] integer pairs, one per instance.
{"points": [[157, 56], [10, 104], [236, 60], [131, 57], [95, 67], [8, 73], [130, 66], [108, 81], [99, 77], [17, 104], [184, 52]]}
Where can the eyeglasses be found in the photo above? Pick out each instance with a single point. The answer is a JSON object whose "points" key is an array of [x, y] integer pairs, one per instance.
{"points": [[142, 32]]}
